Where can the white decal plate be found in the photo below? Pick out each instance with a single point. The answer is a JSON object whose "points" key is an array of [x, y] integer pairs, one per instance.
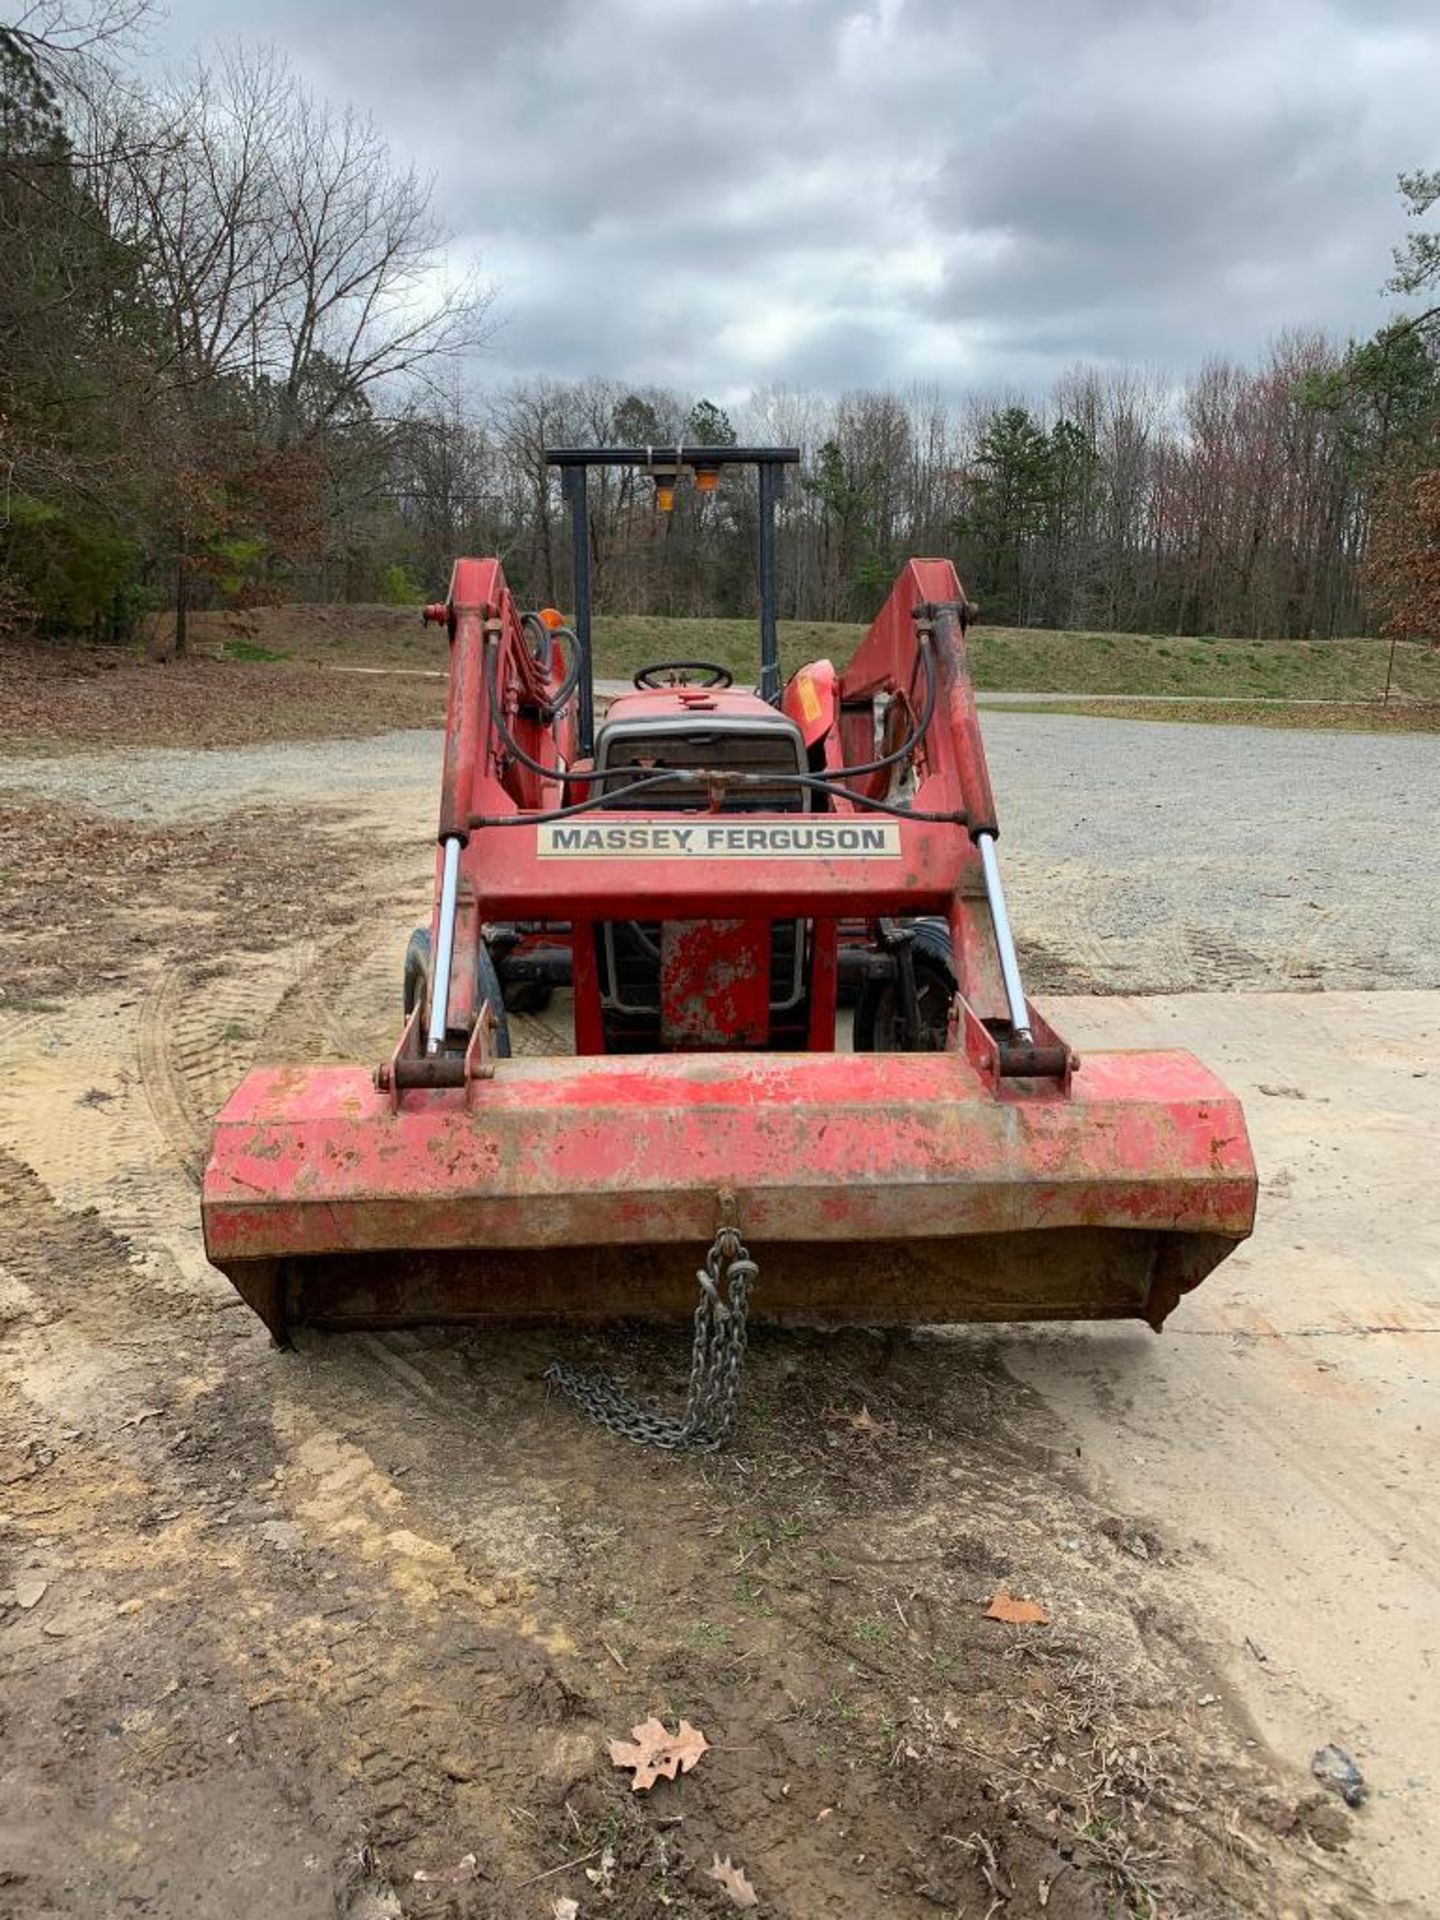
{"points": [[711, 839]]}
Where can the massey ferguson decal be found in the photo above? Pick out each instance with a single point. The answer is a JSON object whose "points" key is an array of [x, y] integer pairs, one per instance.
{"points": [[719, 840]]}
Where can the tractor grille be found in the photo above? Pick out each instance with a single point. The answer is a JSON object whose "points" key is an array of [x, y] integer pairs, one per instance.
{"points": [[626, 750], [630, 966]]}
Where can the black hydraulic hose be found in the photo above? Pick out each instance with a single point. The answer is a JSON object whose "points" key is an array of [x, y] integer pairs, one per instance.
{"points": [[819, 783], [642, 940], [687, 776], [918, 732], [534, 625], [561, 697], [512, 745]]}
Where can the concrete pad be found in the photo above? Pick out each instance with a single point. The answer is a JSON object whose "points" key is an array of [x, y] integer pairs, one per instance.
{"points": [[1283, 1429]]}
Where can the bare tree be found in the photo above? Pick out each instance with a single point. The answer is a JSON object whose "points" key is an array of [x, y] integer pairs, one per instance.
{"points": [[53, 32], [297, 270], [281, 238]]}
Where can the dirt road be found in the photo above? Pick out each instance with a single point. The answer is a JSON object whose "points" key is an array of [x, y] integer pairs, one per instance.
{"points": [[347, 1630]]}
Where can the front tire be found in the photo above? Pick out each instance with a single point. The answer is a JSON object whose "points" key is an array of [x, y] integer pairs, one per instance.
{"points": [[527, 996], [879, 1021], [417, 971], [487, 986]]}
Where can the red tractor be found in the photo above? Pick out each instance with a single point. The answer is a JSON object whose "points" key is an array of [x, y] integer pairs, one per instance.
{"points": [[701, 872]]}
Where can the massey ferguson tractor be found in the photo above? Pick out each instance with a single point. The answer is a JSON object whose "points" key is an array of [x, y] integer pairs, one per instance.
{"points": [[701, 878]]}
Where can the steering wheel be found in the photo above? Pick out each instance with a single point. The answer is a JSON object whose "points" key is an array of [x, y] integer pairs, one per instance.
{"points": [[715, 676]]}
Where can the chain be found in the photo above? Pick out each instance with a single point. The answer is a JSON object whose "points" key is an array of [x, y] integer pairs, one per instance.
{"points": [[717, 1354]]}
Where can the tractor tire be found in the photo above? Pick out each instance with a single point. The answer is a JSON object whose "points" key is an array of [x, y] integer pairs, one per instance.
{"points": [[417, 970], [487, 985], [527, 996], [877, 1010]]}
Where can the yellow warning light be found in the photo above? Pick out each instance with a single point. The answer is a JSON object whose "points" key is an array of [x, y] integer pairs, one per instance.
{"points": [[552, 617], [707, 479], [665, 491]]}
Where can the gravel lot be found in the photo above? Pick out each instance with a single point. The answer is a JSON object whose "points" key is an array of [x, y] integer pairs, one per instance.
{"points": [[1140, 858]]}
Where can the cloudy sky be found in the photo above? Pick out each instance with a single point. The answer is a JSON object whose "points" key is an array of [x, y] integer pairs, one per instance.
{"points": [[721, 194]]}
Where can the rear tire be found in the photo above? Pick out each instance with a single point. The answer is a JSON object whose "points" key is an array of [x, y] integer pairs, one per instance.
{"points": [[877, 1011]]}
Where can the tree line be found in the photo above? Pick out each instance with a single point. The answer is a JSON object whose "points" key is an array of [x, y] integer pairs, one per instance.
{"points": [[235, 368]]}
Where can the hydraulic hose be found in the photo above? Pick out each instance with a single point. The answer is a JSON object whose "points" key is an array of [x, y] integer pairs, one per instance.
{"points": [[690, 776], [535, 626], [917, 733], [819, 783], [511, 744]]}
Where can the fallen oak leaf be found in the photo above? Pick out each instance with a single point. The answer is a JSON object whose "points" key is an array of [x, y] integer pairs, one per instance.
{"points": [[865, 1422], [657, 1751], [562, 1907], [862, 1422], [733, 1880], [1015, 1611]]}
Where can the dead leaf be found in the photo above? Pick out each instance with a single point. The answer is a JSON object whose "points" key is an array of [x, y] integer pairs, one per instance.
{"points": [[1015, 1611], [733, 1880], [30, 1590], [562, 1907], [145, 1413], [657, 1751], [862, 1422], [466, 1868]]}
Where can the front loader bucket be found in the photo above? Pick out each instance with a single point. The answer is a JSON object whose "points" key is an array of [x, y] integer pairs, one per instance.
{"points": [[893, 1189]]}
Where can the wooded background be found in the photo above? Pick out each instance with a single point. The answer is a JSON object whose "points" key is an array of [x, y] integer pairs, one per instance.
{"points": [[235, 369]]}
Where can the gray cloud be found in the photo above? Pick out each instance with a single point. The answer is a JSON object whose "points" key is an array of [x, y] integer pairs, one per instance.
{"points": [[726, 193]]}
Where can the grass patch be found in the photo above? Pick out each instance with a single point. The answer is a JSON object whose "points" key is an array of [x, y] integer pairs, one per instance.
{"points": [[1336, 717], [251, 650], [264, 675], [1033, 660], [707, 1636]]}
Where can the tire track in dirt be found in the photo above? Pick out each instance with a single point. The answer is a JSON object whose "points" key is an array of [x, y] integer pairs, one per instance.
{"points": [[73, 1111], [196, 1036]]}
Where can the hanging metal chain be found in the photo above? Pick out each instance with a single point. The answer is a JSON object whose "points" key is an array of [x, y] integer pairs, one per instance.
{"points": [[717, 1355]]}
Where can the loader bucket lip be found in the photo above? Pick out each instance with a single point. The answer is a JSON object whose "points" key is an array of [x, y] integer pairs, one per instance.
{"points": [[633, 1151]]}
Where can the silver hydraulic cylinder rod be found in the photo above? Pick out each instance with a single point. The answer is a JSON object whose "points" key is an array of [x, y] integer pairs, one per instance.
{"points": [[444, 948], [1004, 940]]}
